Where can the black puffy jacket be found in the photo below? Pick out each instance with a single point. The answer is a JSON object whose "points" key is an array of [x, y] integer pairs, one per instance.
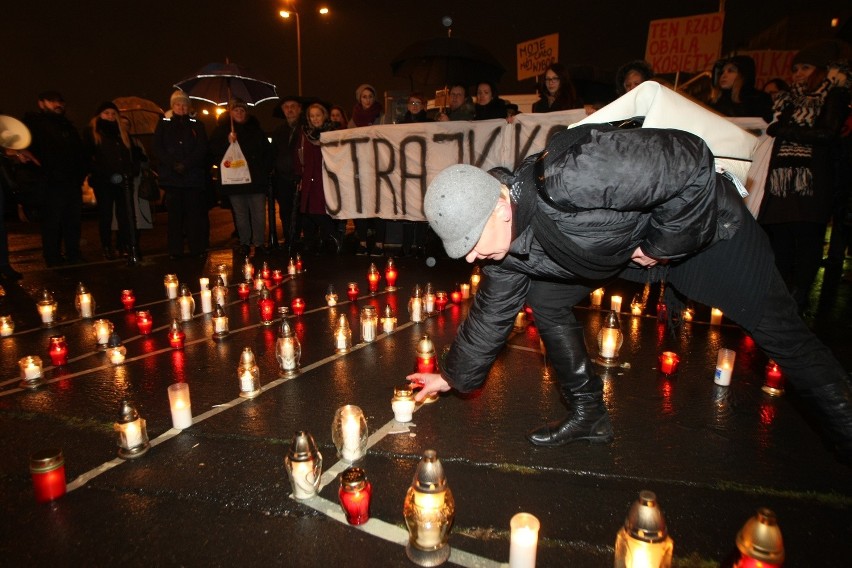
{"points": [[619, 189], [180, 146]]}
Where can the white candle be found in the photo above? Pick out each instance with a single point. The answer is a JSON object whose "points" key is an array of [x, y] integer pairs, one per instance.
{"points": [[465, 291], [102, 331], [403, 410], [171, 290], [524, 541], [131, 434], [116, 357], [368, 330], [181, 406], [85, 305], [615, 303], [636, 309], [341, 341], [429, 527], [429, 303], [724, 367], [220, 324], [247, 381], [223, 272], [388, 324], [186, 306], [715, 316], [6, 328], [204, 283], [206, 301], [303, 479], [351, 427], [46, 313], [32, 371], [221, 295], [258, 283], [597, 296], [416, 310], [608, 342]]}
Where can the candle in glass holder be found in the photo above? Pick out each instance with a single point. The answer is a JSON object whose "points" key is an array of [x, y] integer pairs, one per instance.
{"points": [[31, 372], [244, 290], [265, 272], [644, 540], [220, 292], [259, 283], [116, 352], [248, 374], [428, 299], [7, 326], [456, 294], [288, 350], [58, 350], [303, 463], [615, 303], [299, 264], [390, 275], [277, 276], [128, 299], [429, 511], [342, 335], [668, 361], [47, 308], [354, 493], [220, 323], [132, 434], [203, 283], [369, 324], [186, 303], [349, 433], [441, 300], [415, 305], [84, 302], [760, 542], [724, 366], [170, 281], [388, 319], [331, 296], [101, 329], [524, 540], [222, 272], [248, 270], [180, 405], [596, 297], [206, 301], [298, 306], [403, 403], [291, 267], [176, 335], [373, 278], [352, 291], [635, 308], [144, 322], [715, 316], [464, 288], [266, 305], [687, 315], [475, 279], [47, 469], [774, 385], [426, 355]]}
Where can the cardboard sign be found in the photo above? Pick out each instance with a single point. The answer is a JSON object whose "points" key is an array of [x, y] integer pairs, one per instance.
{"points": [[689, 44], [535, 55]]}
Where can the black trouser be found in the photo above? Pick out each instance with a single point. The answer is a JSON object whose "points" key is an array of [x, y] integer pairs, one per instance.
{"points": [[798, 253], [61, 217], [285, 195], [187, 216], [112, 197]]}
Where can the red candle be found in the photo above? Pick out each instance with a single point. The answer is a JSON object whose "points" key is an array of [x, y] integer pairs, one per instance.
{"points": [[47, 468], [243, 290], [774, 384], [355, 493], [456, 295], [128, 298], [749, 562], [277, 276], [668, 362], [425, 364], [265, 272], [298, 263], [267, 310], [176, 336], [373, 278], [441, 300], [298, 306], [391, 275], [144, 322], [58, 350], [352, 291]]}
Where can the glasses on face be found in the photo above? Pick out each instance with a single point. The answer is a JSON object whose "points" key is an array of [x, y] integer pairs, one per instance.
{"points": [[551, 79], [415, 103]]}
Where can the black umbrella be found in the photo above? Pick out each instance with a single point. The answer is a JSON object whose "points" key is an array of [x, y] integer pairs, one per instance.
{"points": [[445, 60], [217, 83]]}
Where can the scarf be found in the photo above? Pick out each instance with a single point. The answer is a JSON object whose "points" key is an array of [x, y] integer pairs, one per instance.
{"points": [[791, 170], [366, 116]]}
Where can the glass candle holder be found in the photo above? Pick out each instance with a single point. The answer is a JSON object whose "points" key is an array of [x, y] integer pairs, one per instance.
{"points": [[248, 270], [31, 372], [369, 324], [7, 326], [610, 340], [716, 316], [475, 279], [260, 283], [373, 278], [465, 290], [615, 303], [523, 541], [266, 305], [170, 282], [426, 355], [265, 272], [303, 463], [352, 291], [291, 267], [760, 542], [219, 292], [128, 299], [355, 493], [277, 276], [298, 306], [47, 469], [774, 385], [244, 290], [342, 335], [391, 275], [331, 296], [58, 350], [429, 299], [403, 403], [222, 272], [115, 351], [596, 297], [84, 302], [176, 336], [687, 315], [644, 540], [668, 361], [349, 433], [248, 374], [47, 308], [288, 350], [180, 405], [144, 322], [415, 305], [441, 300], [520, 321], [456, 294], [131, 432], [206, 299], [724, 366], [220, 323], [101, 330], [429, 512], [300, 267], [388, 319], [186, 303]]}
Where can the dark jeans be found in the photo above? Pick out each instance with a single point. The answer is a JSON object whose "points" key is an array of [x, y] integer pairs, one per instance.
{"points": [[61, 218], [112, 197], [187, 216], [285, 194], [798, 253]]}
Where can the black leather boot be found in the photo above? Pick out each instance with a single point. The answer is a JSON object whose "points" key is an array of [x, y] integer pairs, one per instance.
{"points": [[581, 387], [834, 405]]}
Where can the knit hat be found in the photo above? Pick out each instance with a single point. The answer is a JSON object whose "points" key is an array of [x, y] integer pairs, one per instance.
{"points": [[237, 103], [458, 203], [178, 96], [105, 105], [818, 54], [361, 88]]}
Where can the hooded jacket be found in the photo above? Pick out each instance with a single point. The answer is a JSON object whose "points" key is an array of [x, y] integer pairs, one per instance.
{"points": [[607, 191]]}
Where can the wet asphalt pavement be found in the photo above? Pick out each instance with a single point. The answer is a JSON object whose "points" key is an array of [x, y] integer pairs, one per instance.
{"points": [[217, 493]]}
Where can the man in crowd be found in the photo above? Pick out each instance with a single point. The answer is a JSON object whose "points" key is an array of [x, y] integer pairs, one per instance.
{"points": [[57, 146], [460, 108], [602, 202], [284, 142]]}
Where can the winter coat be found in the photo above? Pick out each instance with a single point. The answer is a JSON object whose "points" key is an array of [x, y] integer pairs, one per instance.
{"points": [[610, 191], [180, 148], [255, 147], [494, 109], [309, 167], [58, 147], [285, 140], [752, 102], [110, 158]]}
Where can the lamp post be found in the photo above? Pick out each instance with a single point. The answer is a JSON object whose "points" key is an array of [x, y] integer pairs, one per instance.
{"points": [[287, 14]]}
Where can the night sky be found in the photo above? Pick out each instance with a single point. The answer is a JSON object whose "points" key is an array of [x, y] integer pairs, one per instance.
{"points": [[95, 50]]}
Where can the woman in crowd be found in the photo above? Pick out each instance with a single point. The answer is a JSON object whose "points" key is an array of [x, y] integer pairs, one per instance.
{"points": [[338, 116], [367, 111], [556, 91], [733, 91], [631, 75], [488, 104], [774, 86], [318, 226], [248, 200], [180, 147], [113, 167], [800, 183], [415, 109]]}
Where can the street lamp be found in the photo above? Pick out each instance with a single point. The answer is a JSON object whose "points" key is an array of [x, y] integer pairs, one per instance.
{"points": [[287, 14]]}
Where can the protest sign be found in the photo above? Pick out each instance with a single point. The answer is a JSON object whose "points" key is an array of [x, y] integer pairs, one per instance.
{"points": [[690, 44], [535, 55]]}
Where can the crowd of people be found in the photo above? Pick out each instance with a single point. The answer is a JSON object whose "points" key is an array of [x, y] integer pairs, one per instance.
{"points": [[808, 182]]}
